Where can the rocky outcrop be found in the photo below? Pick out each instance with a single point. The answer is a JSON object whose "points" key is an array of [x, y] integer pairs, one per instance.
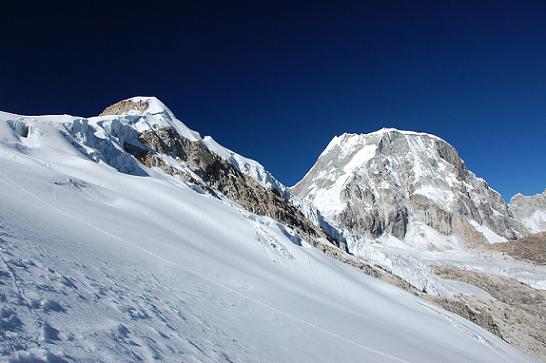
{"points": [[383, 183], [471, 309], [126, 106], [531, 248], [515, 311]]}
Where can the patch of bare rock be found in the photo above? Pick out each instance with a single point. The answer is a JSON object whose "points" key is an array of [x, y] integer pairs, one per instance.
{"points": [[531, 248], [516, 312]]}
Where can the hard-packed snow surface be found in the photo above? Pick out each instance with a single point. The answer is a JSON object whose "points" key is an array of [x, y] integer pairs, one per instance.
{"points": [[103, 259]]}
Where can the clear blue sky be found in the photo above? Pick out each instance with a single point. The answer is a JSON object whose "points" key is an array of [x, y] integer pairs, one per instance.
{"points": [[276, 82]]}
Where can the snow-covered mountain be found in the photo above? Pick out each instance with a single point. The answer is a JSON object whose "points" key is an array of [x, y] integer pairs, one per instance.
{"points": [[149, 113], [530, 211], [407, 204], [127, 237], [406, 186]]}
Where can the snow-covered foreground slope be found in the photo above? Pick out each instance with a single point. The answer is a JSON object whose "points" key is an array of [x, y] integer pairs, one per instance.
{"points": [[98, 265]]}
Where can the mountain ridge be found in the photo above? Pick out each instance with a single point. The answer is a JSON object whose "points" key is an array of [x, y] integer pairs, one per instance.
{"points": [[139, 140]]}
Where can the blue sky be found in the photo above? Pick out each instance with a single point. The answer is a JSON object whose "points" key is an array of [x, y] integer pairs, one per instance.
{"points": [[276, 82]]}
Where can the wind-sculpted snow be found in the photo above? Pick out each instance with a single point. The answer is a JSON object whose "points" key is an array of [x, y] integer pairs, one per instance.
{"points": [[98, 264]]}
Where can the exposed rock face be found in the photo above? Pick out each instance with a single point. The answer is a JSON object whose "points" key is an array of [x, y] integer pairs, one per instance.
{"points": [[530, 211], [471, 309], [516, 312], [401, 183], [246, 166], [530, 248], [126, 106]]}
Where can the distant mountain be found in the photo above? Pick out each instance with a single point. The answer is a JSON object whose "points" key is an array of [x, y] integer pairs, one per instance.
{"points": [[530, 211], [407, 186]]}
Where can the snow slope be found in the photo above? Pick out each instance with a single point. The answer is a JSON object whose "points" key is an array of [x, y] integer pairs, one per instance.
{"points": [[102, 263]]}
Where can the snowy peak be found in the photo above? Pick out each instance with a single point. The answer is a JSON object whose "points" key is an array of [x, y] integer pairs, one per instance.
{"points": [[140, 136], [530, 210], [149, 114], [518, 197], [125, 124], [408, 185], [346, 155], [404, 143], [145, 114], [136, 106], [352, 138]]}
